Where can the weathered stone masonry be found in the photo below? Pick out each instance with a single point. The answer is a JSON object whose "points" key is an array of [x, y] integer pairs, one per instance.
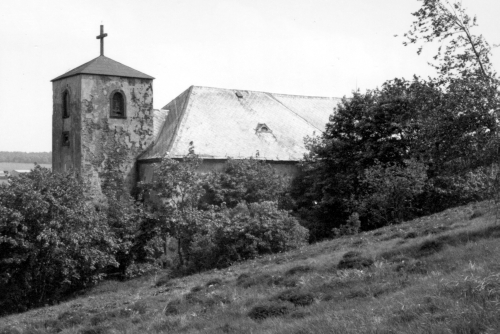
{"points": [[98, 139], [117, 139]]}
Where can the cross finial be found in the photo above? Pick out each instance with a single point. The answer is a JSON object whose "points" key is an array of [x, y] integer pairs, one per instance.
{"points": [[101, 37]]}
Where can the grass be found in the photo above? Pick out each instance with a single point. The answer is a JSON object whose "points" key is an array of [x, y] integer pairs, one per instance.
{"points": [[436, 274]]}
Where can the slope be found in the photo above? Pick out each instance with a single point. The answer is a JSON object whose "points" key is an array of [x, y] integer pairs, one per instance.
{"points": [[436, 274]]}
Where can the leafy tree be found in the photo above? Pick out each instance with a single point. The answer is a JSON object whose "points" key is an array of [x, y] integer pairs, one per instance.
{"points": [[247, 180], [389, 192], [464, 52], [52, 240], [465, 72], [127, 220], [176, 191], [442, 128], [210, 233], [225, 236]]}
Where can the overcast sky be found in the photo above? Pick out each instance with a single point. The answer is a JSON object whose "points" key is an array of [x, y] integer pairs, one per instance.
{"points": [[303, 47]]}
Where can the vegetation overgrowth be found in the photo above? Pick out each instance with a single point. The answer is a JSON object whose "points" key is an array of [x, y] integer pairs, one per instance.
{"points": [[407, 149], [410, 147], [435, 274], [56, 239]]}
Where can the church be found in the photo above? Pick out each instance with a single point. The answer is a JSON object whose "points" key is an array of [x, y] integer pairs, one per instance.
{"points": [[103, 116]]}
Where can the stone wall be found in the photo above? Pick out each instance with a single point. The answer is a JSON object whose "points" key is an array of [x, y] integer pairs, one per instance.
{"points": [[146, 168], [114, 142], [66, 157]]}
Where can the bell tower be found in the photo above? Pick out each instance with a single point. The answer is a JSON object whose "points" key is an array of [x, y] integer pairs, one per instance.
{"points": [[102, 117]]}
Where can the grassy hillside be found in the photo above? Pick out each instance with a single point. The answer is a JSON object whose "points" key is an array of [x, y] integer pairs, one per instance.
{"points": [[437, 274]]}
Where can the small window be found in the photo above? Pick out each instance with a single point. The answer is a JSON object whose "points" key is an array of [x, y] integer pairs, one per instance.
{"points": [[65, 113], [117, 105], [261, 127], [65, 138]]}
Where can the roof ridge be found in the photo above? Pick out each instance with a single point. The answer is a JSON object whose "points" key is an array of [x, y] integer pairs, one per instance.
{"points": [[103, 65], [258, 91], [182, 118], [294, 112]]}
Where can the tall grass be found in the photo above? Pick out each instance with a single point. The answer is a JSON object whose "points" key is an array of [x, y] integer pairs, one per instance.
{"points": [[437, 274]]}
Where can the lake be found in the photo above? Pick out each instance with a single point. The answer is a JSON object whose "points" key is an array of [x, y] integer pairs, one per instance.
{"points": [[9, 166]]}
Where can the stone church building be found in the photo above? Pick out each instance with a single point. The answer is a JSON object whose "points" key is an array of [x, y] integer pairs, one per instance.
{"points": [[103, 116]]}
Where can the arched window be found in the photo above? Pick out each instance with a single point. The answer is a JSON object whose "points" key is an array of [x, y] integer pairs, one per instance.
{"points": [[65, 113], [117, 105], [65, 138]]}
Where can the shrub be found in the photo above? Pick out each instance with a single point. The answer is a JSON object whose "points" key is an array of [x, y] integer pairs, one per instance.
{"points": [[298, 270], [52, 240], [246, 180], [430, 247], [247, 280], [390, 192], [216, 237], [175, 307], [351, 226], [213, 282], [94, 330], [296, 297], [270, 309], [354, 260], [242, 233], [411, 235]]}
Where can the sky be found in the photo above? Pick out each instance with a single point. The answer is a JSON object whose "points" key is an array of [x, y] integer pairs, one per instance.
{"points": [[301, 47]]}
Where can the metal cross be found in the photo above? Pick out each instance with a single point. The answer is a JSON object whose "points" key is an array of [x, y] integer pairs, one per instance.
{"points": [[101, 37]]}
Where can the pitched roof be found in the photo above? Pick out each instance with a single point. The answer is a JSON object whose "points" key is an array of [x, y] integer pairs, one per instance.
{"points": [[159, 117], [222, 123], [105, 66]]}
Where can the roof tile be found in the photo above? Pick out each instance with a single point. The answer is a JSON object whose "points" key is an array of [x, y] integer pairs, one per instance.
{"points": [[105, 66], [220, 124]]}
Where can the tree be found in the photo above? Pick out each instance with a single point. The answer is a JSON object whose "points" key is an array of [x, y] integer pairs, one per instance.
{"points": [[175, 194], [247, 180], [443, 128], [126, 219], [389, 192], [464, 53], [52, 240]]}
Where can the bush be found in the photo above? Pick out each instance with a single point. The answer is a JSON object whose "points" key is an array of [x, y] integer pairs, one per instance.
{"points": [[390, 192], [270, 309], [296, 297], [246, 280], [298, 270], [247, 180], [354, 260], [243, 233], [52, 240]]}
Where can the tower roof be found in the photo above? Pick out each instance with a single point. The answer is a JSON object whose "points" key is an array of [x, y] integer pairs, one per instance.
{"points": [[105, 66]]}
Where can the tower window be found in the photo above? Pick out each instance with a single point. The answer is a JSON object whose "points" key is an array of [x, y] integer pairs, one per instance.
{"points": [[65, 113], [65, 138], [117, 105]]}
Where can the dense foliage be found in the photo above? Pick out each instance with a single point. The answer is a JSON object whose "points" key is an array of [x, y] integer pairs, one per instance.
{"points": [[243, 181], [388, 153], [26, 157], [411, 147], [408, 148], [52, 240], [221, 238], [223, 216]]}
